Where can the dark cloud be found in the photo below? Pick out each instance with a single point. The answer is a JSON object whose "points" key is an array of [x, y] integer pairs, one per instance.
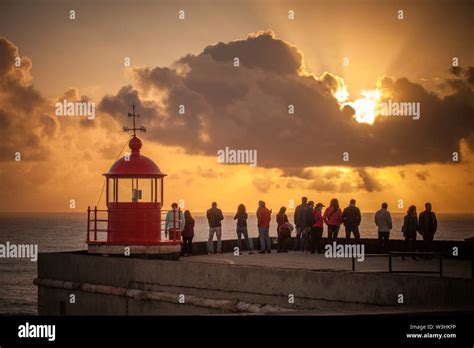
{"points": [[324, 186], [422, 175], [25, 126], [333, 180], [369, 182], [247, 108], [260, 51]]}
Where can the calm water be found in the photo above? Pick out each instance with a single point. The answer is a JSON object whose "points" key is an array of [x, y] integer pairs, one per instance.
{"points": [[66, 231]]}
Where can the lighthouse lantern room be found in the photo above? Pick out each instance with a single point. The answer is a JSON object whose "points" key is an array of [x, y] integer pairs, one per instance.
{"points": [[133, 219]]}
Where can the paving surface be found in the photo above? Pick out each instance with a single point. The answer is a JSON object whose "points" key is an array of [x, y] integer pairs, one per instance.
{"points": [[451, 267]]}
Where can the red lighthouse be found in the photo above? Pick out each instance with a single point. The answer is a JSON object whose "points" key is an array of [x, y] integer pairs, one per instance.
{"points": [[133, 219]]}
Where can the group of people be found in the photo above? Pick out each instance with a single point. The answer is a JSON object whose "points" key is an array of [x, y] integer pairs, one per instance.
{"points": [[425, 224], [309, 221]]}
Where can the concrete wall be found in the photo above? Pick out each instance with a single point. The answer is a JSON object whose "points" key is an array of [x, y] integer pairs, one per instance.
{"points": [[247, 283], [371, 246], [56, 302]]}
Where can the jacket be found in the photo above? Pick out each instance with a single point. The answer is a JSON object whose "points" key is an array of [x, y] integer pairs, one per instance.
{"points": [[173, 215], [427, 223], [332, 218], [189, 228], [383, 220], [351, 216], [214, 217], [264, 217], [281, 219], [303, 216], [241, 219], [317, 218], [410, 225]]}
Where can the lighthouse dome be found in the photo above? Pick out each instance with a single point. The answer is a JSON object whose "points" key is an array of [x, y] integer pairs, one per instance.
{"points": [[134, 164]]}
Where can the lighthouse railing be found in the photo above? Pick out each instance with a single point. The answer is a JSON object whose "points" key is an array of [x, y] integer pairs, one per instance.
{"points": [[92, 215], [174, 223]]}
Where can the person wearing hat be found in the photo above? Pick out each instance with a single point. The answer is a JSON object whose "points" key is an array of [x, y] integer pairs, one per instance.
{"points": [[317, 230]]}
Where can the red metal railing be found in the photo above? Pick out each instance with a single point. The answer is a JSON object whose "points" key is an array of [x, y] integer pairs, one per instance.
{"points": [[95, 220], [174, 226], [175, 222]]}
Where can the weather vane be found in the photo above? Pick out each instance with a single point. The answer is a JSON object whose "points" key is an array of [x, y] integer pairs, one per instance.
{"points": [[134, 129]]}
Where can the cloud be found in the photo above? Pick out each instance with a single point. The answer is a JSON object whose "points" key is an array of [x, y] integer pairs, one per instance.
{"points": [[422, 175], [369, 182], [207, 173], [263, 183], [26, 122], [261, 50], [333, 180], [246, 107]]}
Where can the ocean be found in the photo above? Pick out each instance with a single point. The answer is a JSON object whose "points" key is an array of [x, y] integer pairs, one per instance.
{"points": [[66, 231]]}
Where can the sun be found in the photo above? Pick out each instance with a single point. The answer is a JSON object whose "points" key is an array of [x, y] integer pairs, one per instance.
{"points": [[366, 108]]}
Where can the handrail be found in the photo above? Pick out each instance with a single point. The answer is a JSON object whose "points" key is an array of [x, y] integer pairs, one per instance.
{"points": [[410, 253], [163, 222]]}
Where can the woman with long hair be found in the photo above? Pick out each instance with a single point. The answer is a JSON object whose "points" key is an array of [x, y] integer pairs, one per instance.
{"points": [[283, 230], [241, 217], [332, 218], [409, 229], [317, 230], [188, 234]]}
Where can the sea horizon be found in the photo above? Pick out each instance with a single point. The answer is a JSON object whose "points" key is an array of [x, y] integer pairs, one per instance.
{"points": [[231, 212]]}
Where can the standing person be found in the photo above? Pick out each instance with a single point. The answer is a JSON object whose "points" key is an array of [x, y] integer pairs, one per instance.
{"points": [[241, 217], [317, 229], [307, 233], [303, 218], [332, 218], [175, 221], [383, 220], [428, 225], [409, 229], [283, 230], [188, 233], [263, 218], [258, 209], [259, 206], [214, 217], [351, 219]]}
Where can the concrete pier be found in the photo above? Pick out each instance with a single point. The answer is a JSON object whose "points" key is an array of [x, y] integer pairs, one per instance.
{"points": [[276, 283]]}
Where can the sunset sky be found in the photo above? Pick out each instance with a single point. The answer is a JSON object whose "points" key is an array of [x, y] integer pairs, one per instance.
{"points": [[283, 61]]}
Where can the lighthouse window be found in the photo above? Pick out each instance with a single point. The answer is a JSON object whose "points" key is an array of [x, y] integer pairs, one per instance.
{"points": [[144, 186], [140, 190], [112, 189]]}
